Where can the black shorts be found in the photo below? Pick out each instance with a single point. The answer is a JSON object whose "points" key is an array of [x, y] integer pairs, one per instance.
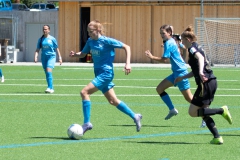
{"points": [[204, 94]]}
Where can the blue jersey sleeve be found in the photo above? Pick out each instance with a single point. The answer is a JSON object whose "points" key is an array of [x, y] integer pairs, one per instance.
{"points": [[86, 48], [181, 45], [55, 45], [171, 51], [115, 43], [167, 50]]}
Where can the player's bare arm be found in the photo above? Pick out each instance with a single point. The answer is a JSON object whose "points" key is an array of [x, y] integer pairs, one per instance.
{"points": [[159, 59], [78, 54], [127, 67], [36, 55]]}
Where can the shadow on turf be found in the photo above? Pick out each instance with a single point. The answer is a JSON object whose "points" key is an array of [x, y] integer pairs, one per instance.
{"points": [[230, 135], [32, 92], [62, 138], [142, 126], [154, 142]]}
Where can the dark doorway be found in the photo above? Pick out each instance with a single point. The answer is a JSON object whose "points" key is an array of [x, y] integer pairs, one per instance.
{"points": [[84, 20]]}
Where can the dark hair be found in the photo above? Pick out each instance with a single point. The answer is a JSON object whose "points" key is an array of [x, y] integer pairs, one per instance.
{"points": [[43, 36], [47, 26], [168, 28], [177, 36]]}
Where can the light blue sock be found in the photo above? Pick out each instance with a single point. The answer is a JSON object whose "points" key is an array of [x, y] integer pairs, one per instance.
{"points": [[86, 106], [49, 79], [0, 72], [166, 99], [125, 109]]}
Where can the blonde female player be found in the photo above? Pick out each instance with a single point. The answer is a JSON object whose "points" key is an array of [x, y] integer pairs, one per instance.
{"points": [[206, 86], [102, 50], [171, 52]]}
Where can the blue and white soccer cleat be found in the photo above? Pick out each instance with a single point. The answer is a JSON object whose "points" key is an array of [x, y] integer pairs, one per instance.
{"points": [[2, 79], [48, 90], [203, 124], [137, 121], [87, 126], [171, 113]]}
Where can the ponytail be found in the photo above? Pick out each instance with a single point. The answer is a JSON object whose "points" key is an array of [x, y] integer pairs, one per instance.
{"points": [[41, 40]]}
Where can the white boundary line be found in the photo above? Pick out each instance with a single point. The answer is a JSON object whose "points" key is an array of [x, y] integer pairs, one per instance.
{"points": [[116, 79], [98, 95], [71, 85]]}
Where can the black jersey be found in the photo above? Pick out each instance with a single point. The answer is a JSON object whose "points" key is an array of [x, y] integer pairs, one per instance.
{"points": [[193, 62]]}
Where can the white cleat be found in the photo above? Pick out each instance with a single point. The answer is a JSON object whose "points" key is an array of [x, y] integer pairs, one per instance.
{"points": [[171, 113], [137, 121], [48, 90], [2, 79], [87, 126], [203, 124]]}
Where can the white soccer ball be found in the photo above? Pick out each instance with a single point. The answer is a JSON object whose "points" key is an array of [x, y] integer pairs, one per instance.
{"points": [[75, 131]]}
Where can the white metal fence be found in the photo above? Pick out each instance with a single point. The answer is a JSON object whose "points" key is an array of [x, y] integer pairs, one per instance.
{"points": [[220, 38]]}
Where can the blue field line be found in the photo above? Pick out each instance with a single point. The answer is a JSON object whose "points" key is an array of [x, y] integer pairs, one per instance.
{"points": [[114, 138], [100, 103]]}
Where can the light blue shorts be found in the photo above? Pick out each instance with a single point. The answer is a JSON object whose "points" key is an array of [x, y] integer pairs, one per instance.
{"points": [[103, 79], [48, 61], [182, 85]]}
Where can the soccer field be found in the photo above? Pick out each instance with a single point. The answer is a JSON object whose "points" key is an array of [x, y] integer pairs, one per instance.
{"points": [[34, 124]]}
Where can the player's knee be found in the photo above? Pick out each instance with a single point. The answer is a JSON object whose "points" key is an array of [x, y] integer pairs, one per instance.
{"points": [[113, 102], [83, 93], [159, 90], [192, 114]]}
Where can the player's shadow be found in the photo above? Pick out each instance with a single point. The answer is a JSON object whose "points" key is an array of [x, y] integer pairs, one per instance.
{"points": [[229, 135], [62, 138], [32, 92], [152, 126], [162, 143]]}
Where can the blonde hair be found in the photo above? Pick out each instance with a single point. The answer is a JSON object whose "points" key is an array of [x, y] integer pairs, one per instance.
{"points": [[97, 25], [188, 33]]}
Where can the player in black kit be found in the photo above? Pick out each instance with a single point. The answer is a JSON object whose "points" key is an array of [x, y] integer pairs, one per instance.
{"points": [[206, 85]]}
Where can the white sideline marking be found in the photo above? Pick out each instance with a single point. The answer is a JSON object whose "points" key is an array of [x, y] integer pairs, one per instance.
{"points": [[100, 95], [76, 85], [115, 68], [154, 79]]}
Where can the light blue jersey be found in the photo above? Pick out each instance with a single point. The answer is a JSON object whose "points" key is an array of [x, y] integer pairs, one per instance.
{"points": [[171, 51], [102, 51], [103, 55], [181, 45], [179, 67], [48, 47]]}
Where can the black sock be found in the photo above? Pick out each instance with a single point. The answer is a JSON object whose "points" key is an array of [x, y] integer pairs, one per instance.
{"points": [[163, 94], [202, 112], [211, 126]]}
